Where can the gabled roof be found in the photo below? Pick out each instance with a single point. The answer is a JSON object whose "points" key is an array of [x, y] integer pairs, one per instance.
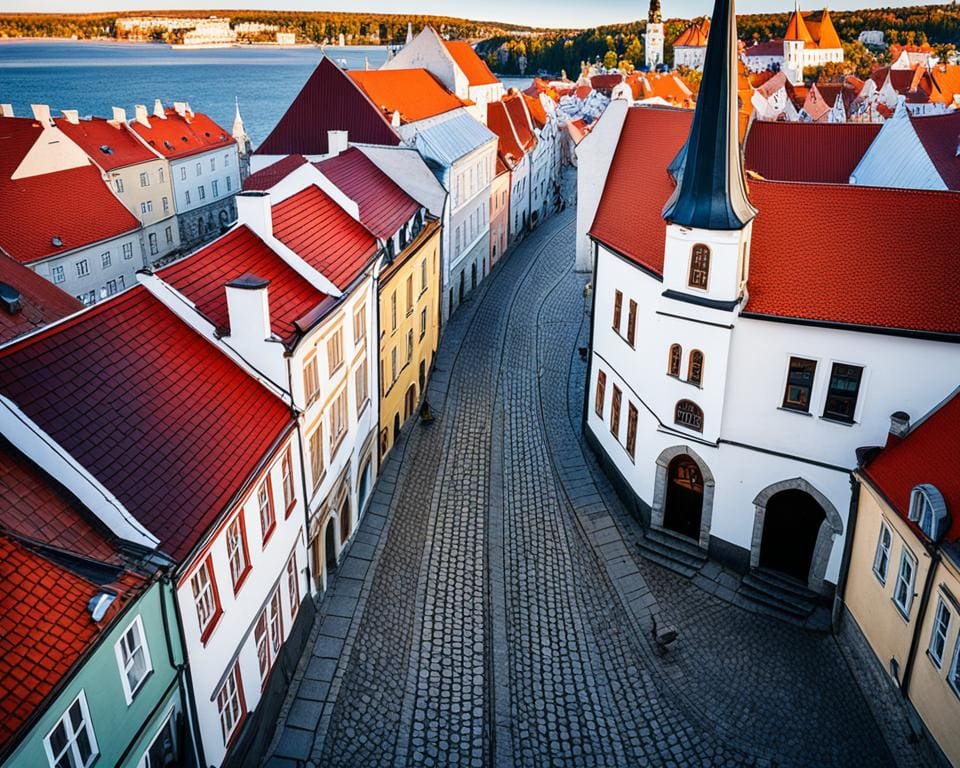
{"points": [[328, 101], [110, 145], [666, 86], [177, 136], [694, 36], [946, 81], [151, 409], [509, 150], [940, 137], [797, 29], [35, 507], [606, 83], [768, 48], [821, 29], [914, 84], [202, 278], [852, 277], [45, 628], [448, 141], [41, 302], [824, 153], [816, 106], [414, 93], [520, 118], [273, 174], [312, 225], [536, 110], [384, 206], [470, 63], [928, 454]]}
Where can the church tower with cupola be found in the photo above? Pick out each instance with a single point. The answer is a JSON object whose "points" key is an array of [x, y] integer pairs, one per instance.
{"points": [[709, 215], [653, 37]]}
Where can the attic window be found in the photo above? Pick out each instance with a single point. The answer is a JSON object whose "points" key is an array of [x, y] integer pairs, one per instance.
{"points": [[166, 144], [57, 242], [184, 139], [929, 511], [106, 149], [207, 134]]}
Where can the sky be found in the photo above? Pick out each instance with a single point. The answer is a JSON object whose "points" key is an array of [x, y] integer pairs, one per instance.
{"points": [[540, 13]]}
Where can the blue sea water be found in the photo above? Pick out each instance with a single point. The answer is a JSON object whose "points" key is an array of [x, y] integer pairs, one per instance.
{"points": [[92, 77]]}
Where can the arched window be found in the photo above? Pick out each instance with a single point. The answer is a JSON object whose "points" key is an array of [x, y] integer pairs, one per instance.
{"points": [[673, 362], [688, 414], [695, 368], [929, 511], [699, 267]]}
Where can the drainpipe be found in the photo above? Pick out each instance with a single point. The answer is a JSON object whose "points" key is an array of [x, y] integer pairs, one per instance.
{"points": [[185, 667], [303, 475], [375, 300], [921, 612], [852, 514], [593, 311]]}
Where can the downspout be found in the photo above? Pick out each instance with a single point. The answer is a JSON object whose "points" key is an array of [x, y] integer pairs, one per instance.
{"points": [[194, 720], [852, 514], [921, 612], [303, 475], [593, 313], [375, 297]]}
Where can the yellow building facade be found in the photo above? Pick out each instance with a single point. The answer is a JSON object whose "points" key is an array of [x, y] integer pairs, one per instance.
{"points": [[409, 329]]}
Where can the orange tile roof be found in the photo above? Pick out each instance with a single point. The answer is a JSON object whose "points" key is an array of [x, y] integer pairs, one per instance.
{"points": [[536, 110], [797, 29], [694, 36], [414, 93], [821, 28], [475, 68]]}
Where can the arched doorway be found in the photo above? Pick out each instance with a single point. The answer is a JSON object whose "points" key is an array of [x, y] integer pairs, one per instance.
{"points": [[396, 427], [688, 490], [790, 529], [330, 550], [364, 488], [345, 523], [409, 401], [683, 510]]}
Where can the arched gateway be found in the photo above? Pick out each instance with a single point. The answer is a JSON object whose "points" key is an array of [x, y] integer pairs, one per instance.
{"points": [[683, 494]]}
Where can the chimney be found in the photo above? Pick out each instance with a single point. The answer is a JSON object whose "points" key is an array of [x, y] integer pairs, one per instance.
{"points": [[899, 427], [99, 604], [395, 120], [119, 116], [336, 142], [71, 116], [41, 113], [253, 209], [158, 110], [6, 110], [248, 312], [140, 111]]}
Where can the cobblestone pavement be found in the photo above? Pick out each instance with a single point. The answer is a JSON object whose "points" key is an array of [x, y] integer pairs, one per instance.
{"points": [[493, 609]]}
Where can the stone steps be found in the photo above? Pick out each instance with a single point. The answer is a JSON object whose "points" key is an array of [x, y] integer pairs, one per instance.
{"points": [[778, 596], [677, 553]]}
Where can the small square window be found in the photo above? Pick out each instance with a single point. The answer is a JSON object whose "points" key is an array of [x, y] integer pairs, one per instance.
{"points": [[800, 375], [841, 403], [133, 658], [881, 560], [938, 636], [72, 741], [105, 260], [906, 577]]}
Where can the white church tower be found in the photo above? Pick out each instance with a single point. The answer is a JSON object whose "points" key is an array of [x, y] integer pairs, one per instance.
{"points": [[653, 37], [244, 145]]}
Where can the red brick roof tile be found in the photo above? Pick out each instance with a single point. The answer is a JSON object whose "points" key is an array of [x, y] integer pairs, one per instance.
{"points": [[175, 136], [41, 301], [155, 412], [202, 278], [469, 61], [940, 137], [311, 224], [273, 174], [96, 133]]}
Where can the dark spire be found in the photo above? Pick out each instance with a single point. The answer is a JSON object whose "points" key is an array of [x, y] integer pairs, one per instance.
{"points": [[711, 192], [653, 15]]}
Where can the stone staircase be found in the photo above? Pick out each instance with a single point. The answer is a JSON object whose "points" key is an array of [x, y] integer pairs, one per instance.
{"points": [[671, 550], [784, 598]]}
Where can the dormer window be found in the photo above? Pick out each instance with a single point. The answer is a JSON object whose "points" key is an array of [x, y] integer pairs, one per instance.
{"points": [[699, 267], [929, 511]]}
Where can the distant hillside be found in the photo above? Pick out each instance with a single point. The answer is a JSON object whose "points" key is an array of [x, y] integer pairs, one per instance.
{"points": [[938, 25], [312, 26]]}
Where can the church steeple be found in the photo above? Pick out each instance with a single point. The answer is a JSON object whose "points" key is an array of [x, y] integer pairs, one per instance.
{"points": [[711, 192], [653, 15]]}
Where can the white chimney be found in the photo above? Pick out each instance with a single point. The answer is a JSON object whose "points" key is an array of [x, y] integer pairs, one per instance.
{"points": [[71, 116], [253, 209], [395, 120], [41, 113], [180, 107], [158, 110], [140, 110], [119, 115], [6, 110], [336, 142], [248, 312]]}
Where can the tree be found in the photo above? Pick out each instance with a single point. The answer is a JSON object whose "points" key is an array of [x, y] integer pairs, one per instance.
{"points": [[610, 60]]}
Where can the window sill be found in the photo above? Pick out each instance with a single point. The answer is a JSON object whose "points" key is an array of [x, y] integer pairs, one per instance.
{"points": [[289, 510], [881, 579], [797, 411], [143, 681], [900, 612], [211, 626], [334, 447], [933, 660], [336, 368], [242, 580], [840, 422], [363, 406]]}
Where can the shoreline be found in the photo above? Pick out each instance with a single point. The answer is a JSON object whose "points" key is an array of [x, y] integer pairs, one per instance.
{"points": [[160, 44]]}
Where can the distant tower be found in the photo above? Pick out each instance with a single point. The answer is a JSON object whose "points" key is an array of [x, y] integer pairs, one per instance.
{"points": [[653, 37], [796, 37], [409, 32], [244, 146]]}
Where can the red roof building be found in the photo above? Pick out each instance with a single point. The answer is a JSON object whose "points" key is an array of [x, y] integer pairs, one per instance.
{"points": [[269, 177], [384, 206], [511, 121], [475, 68], [41, 302], [181, 133], [315, 227], [111, 145], [150, 408], [694, 36], [851, 277], [413, 93], [202, 278], [940, 137], [329, 101], [824, 153]]}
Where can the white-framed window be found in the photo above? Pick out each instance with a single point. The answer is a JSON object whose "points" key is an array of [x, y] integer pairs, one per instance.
{"points": [[954, 677], [154, 246], [118, 185], [205, 594], [286, 473], [229, 184], [213, 163], [316, 455], [938, 635], [160, 175], [338, 420], [928, 510], [215, 186], [335, 351], [268, 518], [133, 659], [56, 273], [128, 251], [186, 195], [359, 325], [293, 585], [163, 749], [83, 268], [166, 205], [110, 289], [230, 703], [144, 179], [423, 276], [237, 550], [906, 577], [183, 174], [201, 193], [423, 322], [881, 560], [360, 382], [226, 160], [311, 379], [72, 742], [199, 169], [105, 259], [168, 232]]}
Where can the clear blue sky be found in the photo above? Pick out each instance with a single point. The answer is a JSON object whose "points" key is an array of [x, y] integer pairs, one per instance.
{"points": [[541, 13]]}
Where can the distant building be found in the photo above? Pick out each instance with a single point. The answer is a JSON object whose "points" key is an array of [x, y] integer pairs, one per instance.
{"points": [[690, 47], [872, 37]]}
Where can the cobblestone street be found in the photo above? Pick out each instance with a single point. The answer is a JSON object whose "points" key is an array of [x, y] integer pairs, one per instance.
{"points": [[494, 610]]}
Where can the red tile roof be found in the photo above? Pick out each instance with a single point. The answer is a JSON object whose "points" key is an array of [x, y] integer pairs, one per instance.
{"points": [[74, 205], [414, 93], [475, 68], [606, 83], [175, 136], [509, 149], [535, 108], [312, 225], [203, 276], [797, 29], [96, 133], [153, 410], [768, 48], [821, 29], [520, 118], [854, 277], [45, 628], [940, 137], [33, 506], [328, 101], [41, 301], [384, 206], [928, 454], [266, 178], [825, 153]]}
